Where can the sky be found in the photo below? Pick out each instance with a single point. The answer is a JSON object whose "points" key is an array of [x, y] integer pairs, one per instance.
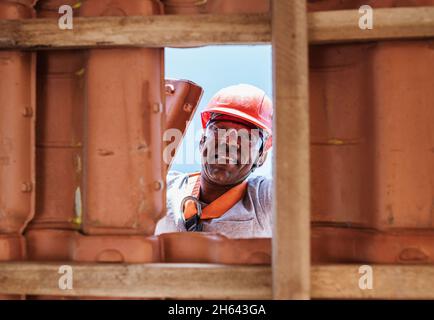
{"points": [[214, 68]]}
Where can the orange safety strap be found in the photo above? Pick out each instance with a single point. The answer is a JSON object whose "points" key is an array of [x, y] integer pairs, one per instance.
{"points": [[216, 208]]}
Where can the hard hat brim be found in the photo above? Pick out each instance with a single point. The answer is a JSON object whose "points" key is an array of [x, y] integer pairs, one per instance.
{"points": [[206, 115]]}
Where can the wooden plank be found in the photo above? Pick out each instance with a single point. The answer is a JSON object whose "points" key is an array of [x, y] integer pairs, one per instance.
{"points": [[291, 200], [393, 23], [389, 282], [183, 281], [201, 30], [149, 31], [200, 281]]}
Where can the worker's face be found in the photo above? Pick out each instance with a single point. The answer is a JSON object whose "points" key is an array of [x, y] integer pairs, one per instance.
{"points": [[229, 151]]}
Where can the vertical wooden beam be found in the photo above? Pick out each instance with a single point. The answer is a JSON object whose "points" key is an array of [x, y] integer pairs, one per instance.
{"points": [[291, 203]]}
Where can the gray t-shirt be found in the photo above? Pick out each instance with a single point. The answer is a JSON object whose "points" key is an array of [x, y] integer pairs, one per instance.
{"points": [[251, 217]]}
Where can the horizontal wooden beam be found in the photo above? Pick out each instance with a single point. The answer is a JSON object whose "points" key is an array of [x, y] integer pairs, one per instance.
{"points": [[183, 281], [202, 30], [389, 282], [149, 31], [206, 281], [393, 23]]}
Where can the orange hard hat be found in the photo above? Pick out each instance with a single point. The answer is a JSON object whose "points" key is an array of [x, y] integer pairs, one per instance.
{"points": [[245, 102]]}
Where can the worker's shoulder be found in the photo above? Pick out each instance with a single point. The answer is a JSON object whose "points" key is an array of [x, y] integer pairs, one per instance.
{"points": [[260, 185], [259, 193], [259, 181]]}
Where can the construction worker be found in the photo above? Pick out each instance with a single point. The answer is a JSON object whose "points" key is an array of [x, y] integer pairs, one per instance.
{"points": [[222, 198]]}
